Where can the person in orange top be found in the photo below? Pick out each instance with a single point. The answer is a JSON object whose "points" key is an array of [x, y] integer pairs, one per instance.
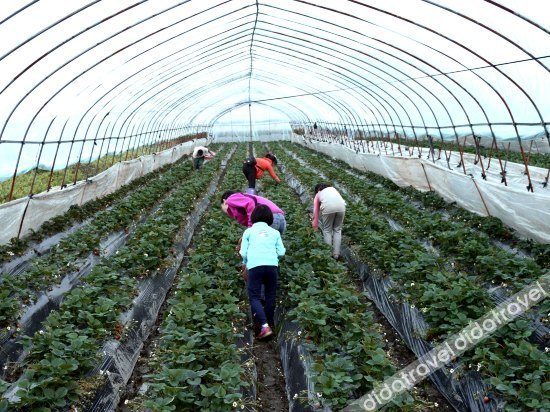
{"points": [[255, 169]]}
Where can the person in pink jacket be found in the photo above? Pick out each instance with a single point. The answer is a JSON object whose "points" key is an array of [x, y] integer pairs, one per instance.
{"points": [[329, 209], [239, 206]]}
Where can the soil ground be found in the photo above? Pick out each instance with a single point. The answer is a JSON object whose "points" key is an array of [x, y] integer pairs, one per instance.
{"points": [[271, 381]]}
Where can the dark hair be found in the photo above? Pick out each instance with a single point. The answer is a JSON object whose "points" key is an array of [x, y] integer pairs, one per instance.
{"points": [[271, 157], [200, 152], [226, 194], [262, 213], [321, 186]]}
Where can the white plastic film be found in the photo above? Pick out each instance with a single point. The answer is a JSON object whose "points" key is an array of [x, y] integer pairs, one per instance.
{"points": [[35, 211], [526, 212]]}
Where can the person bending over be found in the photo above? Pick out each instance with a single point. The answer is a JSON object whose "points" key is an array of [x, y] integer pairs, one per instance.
{"points": [[200, 154], [254, 168], [329, 209], [239, 206]]}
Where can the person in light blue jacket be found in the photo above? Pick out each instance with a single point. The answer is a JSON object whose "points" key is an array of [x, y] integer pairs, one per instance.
{"points": [[261, 249]]}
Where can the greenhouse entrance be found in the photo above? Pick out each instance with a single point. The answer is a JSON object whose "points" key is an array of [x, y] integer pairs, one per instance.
{"points": [[227, 205]]}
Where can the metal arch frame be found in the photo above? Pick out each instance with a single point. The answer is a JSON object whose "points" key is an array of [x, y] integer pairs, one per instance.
{"points": [[138, 72], [514, 123], [85, 71], [188, 98], [489, 124], [342, 80], [172, 105], [250, 75], [435, 32], [112, 90], [262, 102], [215, 119], [238, 104], [411, 78], [530, 185], [406, 75], [356, 85], [384, 91], [154, 95]]}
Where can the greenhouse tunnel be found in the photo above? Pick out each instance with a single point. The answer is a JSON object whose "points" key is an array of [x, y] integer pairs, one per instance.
{"points": [[121, 286]]}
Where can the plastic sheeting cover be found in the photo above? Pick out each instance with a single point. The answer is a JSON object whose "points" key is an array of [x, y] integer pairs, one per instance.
{"points": [[526, 212], [30, 213]]}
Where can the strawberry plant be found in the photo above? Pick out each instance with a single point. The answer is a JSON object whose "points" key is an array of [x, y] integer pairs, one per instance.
{"points": [[71, 251], [448, 301], [89, 313], [197, 364], [344, 340]]}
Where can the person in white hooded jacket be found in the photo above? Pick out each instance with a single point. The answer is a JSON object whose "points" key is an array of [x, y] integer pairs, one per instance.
{"points": [[329, 209], [200, 154]]}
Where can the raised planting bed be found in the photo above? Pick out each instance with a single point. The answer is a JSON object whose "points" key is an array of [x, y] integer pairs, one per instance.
{"points": [[200, 358], [466, 249], [448, 299], [499, 234], [62, 367], [333, 333], [31, 295], [18, 251]]}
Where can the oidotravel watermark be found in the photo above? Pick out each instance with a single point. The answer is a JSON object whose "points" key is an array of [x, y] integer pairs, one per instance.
{"points": [[468, 337]]}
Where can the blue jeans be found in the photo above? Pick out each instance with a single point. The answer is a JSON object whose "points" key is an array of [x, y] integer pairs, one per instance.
{"points": [[279, 222], [266, 276]]}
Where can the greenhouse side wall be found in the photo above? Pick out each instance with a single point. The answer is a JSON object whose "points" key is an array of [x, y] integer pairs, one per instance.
{"points": [[18, 217], [526, 212]]}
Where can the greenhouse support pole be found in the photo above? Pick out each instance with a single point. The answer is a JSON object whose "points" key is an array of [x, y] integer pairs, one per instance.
{"points": [[481, 197], [92, 152], [82, 149], [15, 173], [23, 217], [101, 148], [250, 123], [426, 176], [129, 142], [39, 156], [478, 152], [55, 156], [490, 154], [529, 154], [461, 153]]}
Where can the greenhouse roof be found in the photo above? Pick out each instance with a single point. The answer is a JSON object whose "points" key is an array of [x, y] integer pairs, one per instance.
{"points": [[76, 71]]}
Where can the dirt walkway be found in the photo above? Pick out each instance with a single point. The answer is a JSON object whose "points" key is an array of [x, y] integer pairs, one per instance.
{"points": [[271, 381]]}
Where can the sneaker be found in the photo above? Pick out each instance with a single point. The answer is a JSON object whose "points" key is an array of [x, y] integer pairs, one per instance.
{"points": [[264, 333]]}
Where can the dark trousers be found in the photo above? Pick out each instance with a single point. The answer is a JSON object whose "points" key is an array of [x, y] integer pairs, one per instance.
{"points": [[250, 173], [197, 162], [266, 276]]}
